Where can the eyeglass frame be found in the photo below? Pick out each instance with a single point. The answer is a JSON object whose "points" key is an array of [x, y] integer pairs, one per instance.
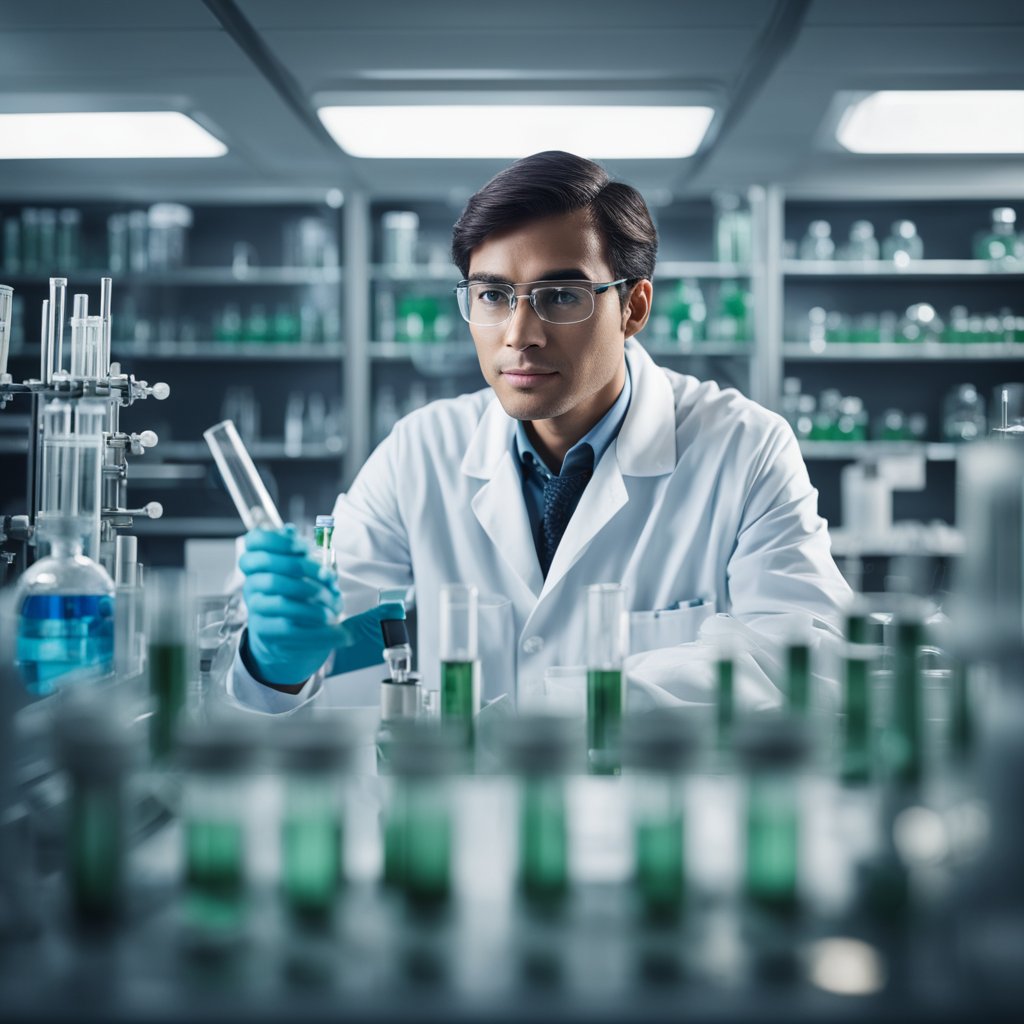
{"points": [[596, 288]]}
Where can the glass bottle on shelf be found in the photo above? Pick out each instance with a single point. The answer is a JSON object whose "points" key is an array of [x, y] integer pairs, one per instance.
{"points": [[1001, 241], [688, 313], [733, 320], [817, 244], [228, 326], [862, 244], [732, 239], [903, 244], [257, 326]]}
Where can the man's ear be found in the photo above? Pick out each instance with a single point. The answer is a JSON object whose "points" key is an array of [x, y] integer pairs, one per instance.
{"points": [[638, 308]]}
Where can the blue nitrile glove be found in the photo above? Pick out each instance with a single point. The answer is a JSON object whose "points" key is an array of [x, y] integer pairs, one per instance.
{"points": [[293, 607]]}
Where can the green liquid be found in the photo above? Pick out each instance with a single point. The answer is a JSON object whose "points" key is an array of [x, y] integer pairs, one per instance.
{"points": [[427, 852], [856, 762], [604, 720], [96, 851], [214, 874], [460, 693], [395, 830], [772, 839], [903, 742], [799, 677], [543, 841], [312, 863], [168, 685], [660, 869], [725, 704]]}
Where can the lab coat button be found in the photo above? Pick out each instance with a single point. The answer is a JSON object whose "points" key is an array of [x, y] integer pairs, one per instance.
{"points": [[533, 644]]}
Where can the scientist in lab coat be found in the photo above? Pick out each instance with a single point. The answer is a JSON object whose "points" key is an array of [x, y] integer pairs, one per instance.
{"points": [[582, 462]]}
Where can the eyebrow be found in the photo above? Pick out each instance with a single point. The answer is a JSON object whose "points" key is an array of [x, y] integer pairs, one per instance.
{"points": [[566, 274]]}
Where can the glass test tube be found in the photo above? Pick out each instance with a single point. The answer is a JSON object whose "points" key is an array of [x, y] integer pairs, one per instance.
{"points": [[460, 665], [96, 752], [169, 655], [539, 750], [314, 755], [725, 696], [214, 815], [247, 490], [657, 749], [798, 676], [856, 763], [903, 735], [323, 533], [607, 646], [6, 305], [55, 325]]}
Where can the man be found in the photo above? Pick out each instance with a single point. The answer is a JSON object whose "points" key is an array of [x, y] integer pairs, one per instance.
{"points": [[583, 462]]}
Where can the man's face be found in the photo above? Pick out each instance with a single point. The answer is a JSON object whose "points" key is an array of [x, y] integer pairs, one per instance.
{"points": [[544, 371]]}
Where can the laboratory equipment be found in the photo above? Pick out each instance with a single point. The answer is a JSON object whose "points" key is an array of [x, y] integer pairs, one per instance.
{"points": [[725, 694], [732, 232], [1000, 243], [400, 229], [817, 244], [902, 740], [539, 751], [460, 661], [96, 752], [214, 756], [69, 239], [903, 244], [963, 414], [168, 225], [607, 646], [401, 693], [315, 756], [418, 821], [323, 532], [1008, 412], [772, 749], [171, 658], [856, 758], [862, 244], [251, 497], [658, 748], [6, 305], [798, 675]]}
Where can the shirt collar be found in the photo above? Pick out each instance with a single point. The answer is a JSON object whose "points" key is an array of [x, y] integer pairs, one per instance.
{"points": [[587, 451]]}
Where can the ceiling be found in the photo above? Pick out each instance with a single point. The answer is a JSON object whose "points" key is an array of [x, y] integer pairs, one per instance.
{"points": [[252, 71]]}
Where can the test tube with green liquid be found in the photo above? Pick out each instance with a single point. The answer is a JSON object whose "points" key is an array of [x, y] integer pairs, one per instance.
{"points": [[607, 646], [214, 809], [538, 751], [725, 695], [658, 748], [170, 658], [315, 755], [323, 535], [772, 750], [96, 752], [856, 762], [798, 675], [460, 665], [904, 760]]}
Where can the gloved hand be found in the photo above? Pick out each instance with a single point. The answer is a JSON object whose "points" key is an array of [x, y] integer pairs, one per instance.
{"points": [[294, 604]]}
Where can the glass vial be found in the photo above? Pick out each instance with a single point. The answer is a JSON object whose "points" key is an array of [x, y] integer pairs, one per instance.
{"points": [[903, 746], [170, 660], [856, 758], [607, 646], [798, 676], [460, 665], [323, 534]]}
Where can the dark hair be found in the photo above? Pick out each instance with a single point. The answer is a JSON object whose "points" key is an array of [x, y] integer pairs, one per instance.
{"points": [[554, 183]]}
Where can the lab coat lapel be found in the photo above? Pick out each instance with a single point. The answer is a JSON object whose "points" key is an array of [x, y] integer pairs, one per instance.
{"points": [[498, 505]]}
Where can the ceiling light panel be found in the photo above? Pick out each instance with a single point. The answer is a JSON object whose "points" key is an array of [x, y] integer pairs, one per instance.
{"points": [[160, 134], [507, 132]]}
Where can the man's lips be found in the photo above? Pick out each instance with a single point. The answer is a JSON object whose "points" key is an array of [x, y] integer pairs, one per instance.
{"points": [[526, 376]]}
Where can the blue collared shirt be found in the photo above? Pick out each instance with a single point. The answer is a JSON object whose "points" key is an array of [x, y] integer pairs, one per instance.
{"points": [[585, 453]]}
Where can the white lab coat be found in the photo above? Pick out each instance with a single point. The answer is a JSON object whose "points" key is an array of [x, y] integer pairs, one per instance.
{"points": [[702, 504]]}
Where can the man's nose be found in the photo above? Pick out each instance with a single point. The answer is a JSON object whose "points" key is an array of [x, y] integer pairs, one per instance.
{"points": [[524, 327]]}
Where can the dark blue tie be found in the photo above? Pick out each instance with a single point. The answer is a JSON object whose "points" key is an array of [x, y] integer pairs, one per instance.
{"points": [[561, 496]]}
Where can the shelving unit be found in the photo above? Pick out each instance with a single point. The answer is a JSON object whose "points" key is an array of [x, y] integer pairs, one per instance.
{"points": [[904, 352]]}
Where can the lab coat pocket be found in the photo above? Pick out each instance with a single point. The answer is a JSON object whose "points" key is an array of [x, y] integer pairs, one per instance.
{"points": [[667, 627]]}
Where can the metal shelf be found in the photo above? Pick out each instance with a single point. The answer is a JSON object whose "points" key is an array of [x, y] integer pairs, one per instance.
{"points": [[888, 269], [698, 268], [420, 272], [938, 351], [196, 276], [228, 351], [852, 450], [664, 349], [269, 450], [397, 351]]}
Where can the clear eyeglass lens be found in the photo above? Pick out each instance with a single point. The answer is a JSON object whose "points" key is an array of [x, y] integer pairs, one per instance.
{"points": [[557, 304]]}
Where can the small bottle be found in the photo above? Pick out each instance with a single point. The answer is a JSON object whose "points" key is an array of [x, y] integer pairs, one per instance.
{"points": [[171, 661], [257, 326], [323, 534], [460, 663], [817, 244], [903, 754], [96, 751], [607, 647], [903, 244], [856, 759], [657, 749], [229, 324], [215, 757], [315, 755], [963, 414], [539, 753], [1000, 244], [862, 244], [772, 750]]}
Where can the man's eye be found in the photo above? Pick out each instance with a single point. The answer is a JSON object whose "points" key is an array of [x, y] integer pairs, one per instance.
{"points": [[563, 296], [491, 297]]}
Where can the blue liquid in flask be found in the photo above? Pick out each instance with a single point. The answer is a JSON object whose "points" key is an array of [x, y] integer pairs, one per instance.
{"points": [[64, 638]]}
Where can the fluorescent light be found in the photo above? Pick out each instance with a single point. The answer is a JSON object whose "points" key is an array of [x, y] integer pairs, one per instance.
{"points": [[84, 136], [510, 132], [940, 121]]}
